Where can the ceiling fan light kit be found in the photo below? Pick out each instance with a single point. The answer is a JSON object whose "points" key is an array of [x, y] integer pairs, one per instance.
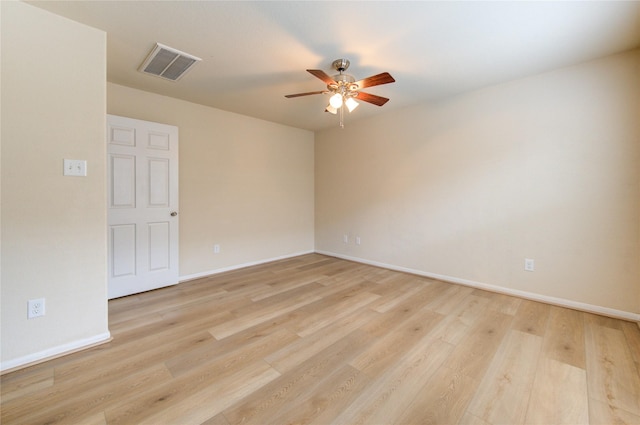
{"points": [[344, 89]]}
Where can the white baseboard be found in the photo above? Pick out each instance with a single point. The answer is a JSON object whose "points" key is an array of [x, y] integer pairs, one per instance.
{"points": [[54, 352], [240, 266], [604, 311]]}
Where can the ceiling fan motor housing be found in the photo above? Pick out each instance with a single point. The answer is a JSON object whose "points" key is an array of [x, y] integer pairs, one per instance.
{"points": [[341, 65]]}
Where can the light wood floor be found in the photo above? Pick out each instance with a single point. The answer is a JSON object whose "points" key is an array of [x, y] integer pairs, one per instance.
{"points": [[319, 340]]}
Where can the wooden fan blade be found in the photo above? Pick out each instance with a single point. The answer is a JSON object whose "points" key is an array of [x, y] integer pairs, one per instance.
{"points": [[375, 80], [305, 94], [372, 98], [322, 75]]}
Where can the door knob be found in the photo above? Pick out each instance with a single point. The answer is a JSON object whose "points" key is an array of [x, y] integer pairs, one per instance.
{"points": [[173, 213]]}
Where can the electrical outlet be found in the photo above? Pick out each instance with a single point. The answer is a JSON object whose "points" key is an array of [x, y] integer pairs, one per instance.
{"points": [[345, 238], [216, 249], [35, 308], [75, 167], [528, 264], [358, 241]]}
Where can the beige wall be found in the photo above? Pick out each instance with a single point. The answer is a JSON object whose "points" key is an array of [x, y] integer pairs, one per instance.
{"points": [[546, 167], [53, 227], [245, 184]]}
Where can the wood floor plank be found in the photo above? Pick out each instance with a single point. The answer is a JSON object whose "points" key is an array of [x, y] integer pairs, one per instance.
{"points": [[115, 371], [470, 419], [450, 301], [124, 359], [405, 309], [632, 334], [218, 419], [470, 308], [564, 337], [472, 356], [209, 353], [56, 407], [292, 319], [390, 393], [386, 350], [133, 323], [531, 317], [339, 307], [613, 375], [95, 419], [501, 303], [202, 405], [275, 301], [261, 315], [167, 326], [598, 320], [508, 382], [559, 395], [267, 404], [442, 400], [281, 285], [319, 340], [157, 302], [28, 383], [605, 413], [451, 330], [396, 292], [330, 398], [306, 347], [181, 392], [380, 275]]}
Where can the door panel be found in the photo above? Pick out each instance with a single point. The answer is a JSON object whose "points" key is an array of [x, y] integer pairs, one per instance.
{"points": [[159, 141], [159, 250], [122, 174], [143, 194], [159, 174], [123, 243], [125, 136]]}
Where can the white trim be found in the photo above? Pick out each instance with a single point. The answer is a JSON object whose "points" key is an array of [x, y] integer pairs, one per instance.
{"points": [[51, 353], [240, 266], [590, 308]]}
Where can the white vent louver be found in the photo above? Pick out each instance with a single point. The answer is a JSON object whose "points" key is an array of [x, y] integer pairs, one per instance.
{"points": [[168, 63]]}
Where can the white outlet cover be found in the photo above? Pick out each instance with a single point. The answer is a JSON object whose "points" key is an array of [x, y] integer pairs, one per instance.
{"points": [[75, 167], [35, 308], [529, 265]]}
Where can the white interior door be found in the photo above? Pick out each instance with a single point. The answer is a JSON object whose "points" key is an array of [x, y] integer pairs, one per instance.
{"points": [[142, 206]]}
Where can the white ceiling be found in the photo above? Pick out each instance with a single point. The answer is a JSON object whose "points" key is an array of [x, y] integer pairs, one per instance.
{"points": [[255, 52]]}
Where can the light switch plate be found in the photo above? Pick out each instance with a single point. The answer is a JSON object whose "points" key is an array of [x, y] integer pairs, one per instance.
{"points": [[75, 167]]}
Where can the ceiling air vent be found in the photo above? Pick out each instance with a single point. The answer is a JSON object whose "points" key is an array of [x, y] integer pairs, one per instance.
{"points": [[168, 63]]}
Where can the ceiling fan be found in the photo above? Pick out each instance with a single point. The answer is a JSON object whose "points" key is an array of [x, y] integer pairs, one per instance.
{"points": [[345, 89]]}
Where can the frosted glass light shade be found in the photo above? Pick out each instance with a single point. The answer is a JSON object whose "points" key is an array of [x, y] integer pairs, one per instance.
{"points": [[336, 100], [351, 104], [331, 109]]}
